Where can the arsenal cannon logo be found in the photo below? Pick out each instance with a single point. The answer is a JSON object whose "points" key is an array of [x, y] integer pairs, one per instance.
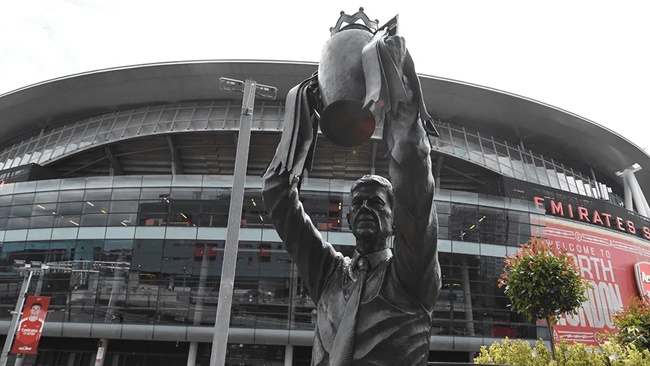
{"points": [[642, 272]]}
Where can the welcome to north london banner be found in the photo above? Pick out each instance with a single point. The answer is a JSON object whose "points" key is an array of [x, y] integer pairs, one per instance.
{"points": [[607, 261]]}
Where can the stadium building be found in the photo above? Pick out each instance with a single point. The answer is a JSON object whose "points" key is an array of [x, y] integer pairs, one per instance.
{"points": [[123, 178]]}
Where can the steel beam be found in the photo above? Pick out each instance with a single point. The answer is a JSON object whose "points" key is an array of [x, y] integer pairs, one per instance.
{"points": [[436, 173], [116, 167], [177, 164]]}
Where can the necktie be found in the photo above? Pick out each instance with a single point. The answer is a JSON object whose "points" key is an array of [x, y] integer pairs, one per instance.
{"points": [[343, 347]]}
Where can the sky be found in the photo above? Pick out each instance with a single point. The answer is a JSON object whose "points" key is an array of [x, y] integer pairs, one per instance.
{"points": [[590, 58]]}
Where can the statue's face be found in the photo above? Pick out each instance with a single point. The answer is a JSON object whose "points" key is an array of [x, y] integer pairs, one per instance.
{"points": [[371, 216]]}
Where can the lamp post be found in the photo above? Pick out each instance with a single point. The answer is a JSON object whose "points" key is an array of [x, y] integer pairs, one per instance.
{"points": [[251, 89], [27, 271]]}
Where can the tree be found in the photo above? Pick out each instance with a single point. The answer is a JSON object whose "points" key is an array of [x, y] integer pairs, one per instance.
{"points": [[543, 284], [633, 323]]}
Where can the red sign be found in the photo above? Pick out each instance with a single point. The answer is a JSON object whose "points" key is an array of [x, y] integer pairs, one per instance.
{"points": [[31, 325], [642, 272], [607, 261], [202, 250]]}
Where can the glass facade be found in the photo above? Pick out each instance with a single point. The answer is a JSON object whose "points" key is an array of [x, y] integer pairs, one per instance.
{"points": [[153, 246], [505, 157], [58, 351]]}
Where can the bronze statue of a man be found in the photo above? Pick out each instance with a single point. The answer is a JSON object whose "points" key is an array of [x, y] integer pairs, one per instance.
{"points": [[374, 308]]}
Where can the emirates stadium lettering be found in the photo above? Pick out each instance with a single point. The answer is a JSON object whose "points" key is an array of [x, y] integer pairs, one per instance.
{"points": [[604, 219]]}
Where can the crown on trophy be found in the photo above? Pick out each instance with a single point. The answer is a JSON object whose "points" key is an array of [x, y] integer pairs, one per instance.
{"points": [[351, 20]]}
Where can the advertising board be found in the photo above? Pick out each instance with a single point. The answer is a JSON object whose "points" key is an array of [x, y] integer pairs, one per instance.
{"points": [[608, 261], [30, 326]]}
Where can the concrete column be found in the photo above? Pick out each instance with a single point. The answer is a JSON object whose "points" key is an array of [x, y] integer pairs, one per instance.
{"points": [[200, 296], [436, 175], [472, 356], [638, 192], [293, 295], [191, 355], [117, 286], [100, 356], [632, 185], [71, 358], [288, 355], [643, 199], [628, 194], [19, 360], [467, 297]]}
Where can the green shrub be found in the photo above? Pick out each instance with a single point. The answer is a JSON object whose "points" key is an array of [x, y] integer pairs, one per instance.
{"points": [[520, 353], [578, 354], [515, 352], [633, 324]]}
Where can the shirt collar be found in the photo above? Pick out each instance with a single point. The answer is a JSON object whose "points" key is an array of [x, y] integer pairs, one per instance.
{"points": [[374, 258]]}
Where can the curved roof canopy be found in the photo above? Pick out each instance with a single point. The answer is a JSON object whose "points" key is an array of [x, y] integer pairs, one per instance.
{"points": [[27, 110]]}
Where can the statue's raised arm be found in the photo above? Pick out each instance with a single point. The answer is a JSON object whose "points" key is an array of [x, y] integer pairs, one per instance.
{"points": [[375, 307]]}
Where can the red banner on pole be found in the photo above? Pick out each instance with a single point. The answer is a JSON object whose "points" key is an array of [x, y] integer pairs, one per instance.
{"points": [[607, 261], [31, 325]]}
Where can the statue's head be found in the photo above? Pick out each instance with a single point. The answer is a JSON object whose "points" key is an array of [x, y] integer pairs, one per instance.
{"points": [[371, 212]]}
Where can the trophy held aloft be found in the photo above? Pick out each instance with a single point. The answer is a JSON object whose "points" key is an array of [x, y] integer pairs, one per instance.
{"points": [[365, 76], [361, 78]]}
